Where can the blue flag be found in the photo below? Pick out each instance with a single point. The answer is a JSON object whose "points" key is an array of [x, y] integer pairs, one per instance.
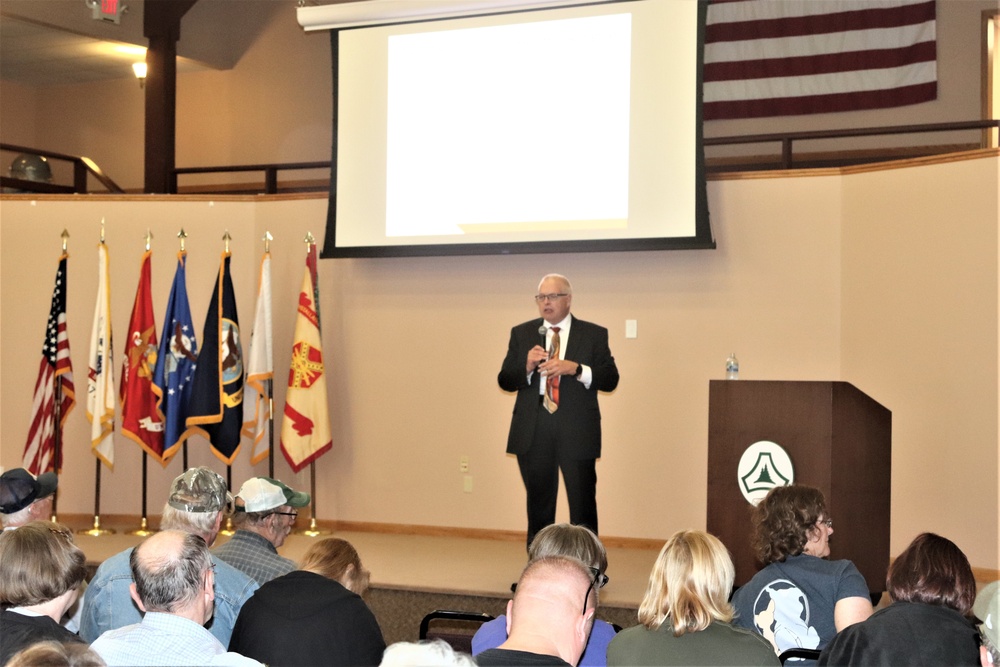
{"points": [[216, 407], [175, 364]]}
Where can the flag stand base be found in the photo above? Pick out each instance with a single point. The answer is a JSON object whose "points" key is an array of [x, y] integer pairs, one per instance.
{"points": [[228, 530], [96, 531], [142, 531], [313, 530]]}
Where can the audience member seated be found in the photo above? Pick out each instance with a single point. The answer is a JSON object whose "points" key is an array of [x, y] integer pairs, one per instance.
{"points": [[313, 616], [685, 614], [197, 504], [263, 518], [561, 539], [40, 573], [800, 599], [25, 498], [57, 654], [175, 588], [550, 617], [987, 610], [431, 653], [932, 589]]}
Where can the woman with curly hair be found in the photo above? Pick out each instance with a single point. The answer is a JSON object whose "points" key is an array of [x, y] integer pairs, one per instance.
{"points": [[800, 599], [685, 615], [932, 589]]}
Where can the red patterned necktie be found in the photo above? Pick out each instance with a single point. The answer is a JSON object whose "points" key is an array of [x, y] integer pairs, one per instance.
{"points": [[552, 381]]}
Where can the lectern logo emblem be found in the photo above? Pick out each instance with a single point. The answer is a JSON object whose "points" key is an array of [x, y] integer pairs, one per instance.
{"points": [[763, 466]]}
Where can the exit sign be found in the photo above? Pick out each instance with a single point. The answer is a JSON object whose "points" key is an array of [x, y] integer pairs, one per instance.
{"points": [[107, 10]]}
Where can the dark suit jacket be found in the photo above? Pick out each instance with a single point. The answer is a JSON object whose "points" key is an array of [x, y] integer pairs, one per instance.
{"points": [[579, 414]]}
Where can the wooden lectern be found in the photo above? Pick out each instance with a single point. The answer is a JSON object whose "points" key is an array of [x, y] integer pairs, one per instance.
{"points": [[839, 441]]}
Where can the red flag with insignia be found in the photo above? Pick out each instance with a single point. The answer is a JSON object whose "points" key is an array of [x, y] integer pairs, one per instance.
{"points": [[141, 421], [305, 431]]}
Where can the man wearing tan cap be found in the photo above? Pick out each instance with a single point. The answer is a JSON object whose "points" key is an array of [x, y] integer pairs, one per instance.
{"points": [[197, 504], [265, 513]]}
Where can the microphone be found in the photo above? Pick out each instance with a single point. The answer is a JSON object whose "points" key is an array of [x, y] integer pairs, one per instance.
{"points": [[541, 332]]}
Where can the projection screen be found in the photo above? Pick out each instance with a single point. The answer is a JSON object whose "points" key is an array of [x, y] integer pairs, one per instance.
{"points": [[571, 129]]}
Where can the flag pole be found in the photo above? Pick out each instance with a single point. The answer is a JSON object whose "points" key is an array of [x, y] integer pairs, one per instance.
{"points": [[57, 415], [314, 530], [228, 530], [269, 385], [143, 529], [96, 530]]}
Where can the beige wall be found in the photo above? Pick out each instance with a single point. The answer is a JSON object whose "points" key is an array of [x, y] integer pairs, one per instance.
{"points": [[817, 278]]}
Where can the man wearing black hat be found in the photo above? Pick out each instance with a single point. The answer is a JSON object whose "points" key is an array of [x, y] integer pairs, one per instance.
{"points": [[25, 498]]}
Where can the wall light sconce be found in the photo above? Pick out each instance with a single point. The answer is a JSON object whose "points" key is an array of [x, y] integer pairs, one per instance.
{"points": [[140, 72]]}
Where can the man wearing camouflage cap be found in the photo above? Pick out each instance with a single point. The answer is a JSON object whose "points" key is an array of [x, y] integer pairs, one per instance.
{"points": [[264, 515], [198, 502], [987, 610]]}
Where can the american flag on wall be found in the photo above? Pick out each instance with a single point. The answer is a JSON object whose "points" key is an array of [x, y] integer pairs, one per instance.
{"points": [[40, 452], [791, 57]]}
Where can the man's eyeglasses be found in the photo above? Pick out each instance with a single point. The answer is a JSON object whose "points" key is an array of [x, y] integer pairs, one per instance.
{"points": [[828, 522], [291, 514], [599, 581], [549, 297]]}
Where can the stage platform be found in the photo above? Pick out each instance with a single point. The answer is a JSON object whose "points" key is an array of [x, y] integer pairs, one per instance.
{"points": [[412, 575]]}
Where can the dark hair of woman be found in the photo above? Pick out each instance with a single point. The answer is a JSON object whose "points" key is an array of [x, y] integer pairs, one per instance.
{"points": [[933, 570]]}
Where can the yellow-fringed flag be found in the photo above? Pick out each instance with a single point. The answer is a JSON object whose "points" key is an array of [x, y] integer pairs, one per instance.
{"points": [[100, 372], [141, 421], [305, 431], [260, 369], [216, 407]]}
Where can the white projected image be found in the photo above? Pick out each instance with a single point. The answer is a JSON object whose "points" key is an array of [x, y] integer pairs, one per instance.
{"points": [[518, 126]]}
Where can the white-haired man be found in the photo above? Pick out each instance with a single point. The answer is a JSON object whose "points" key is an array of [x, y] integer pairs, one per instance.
{"points": [[174, 586], [264, 515], [197, 504]]}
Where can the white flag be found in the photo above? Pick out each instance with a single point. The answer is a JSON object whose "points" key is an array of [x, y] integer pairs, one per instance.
{"points": [[101, 374], [260, 369]]}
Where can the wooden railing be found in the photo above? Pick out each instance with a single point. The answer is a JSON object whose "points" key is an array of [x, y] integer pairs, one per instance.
{"points": [[844, 158], [270, 172], [83, 167]]}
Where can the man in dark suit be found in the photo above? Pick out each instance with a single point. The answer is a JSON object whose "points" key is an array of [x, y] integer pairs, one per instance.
{"points": [[557, 364]]}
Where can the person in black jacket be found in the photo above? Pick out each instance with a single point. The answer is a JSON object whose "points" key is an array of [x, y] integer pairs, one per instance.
{"points": [[557, 364], [314, 615], [932, 588]]}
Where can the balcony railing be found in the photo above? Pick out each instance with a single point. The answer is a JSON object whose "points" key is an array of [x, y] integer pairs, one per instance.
{"points": [[83, 168]]}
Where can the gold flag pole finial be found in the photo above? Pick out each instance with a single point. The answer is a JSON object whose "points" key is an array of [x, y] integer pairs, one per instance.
{"points": [[267, 241], [309, 241], [149, 237], [102, 231], [182, 235], [65, 240], [226, 237]]}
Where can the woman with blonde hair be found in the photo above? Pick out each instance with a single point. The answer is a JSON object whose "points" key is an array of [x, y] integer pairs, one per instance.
{"points": [[684, 616], [314, 615]]}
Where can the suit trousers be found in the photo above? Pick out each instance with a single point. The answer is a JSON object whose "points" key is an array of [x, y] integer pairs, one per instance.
{"points": [[549, 454]]}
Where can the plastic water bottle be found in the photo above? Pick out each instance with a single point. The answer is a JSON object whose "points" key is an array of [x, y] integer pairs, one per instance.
{"points": [[732, 367]]}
